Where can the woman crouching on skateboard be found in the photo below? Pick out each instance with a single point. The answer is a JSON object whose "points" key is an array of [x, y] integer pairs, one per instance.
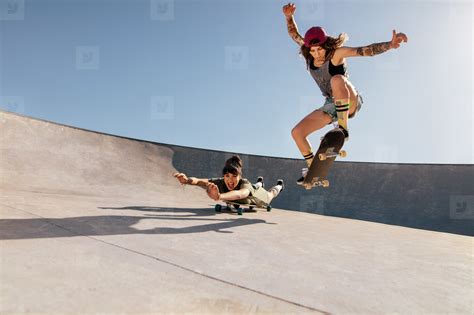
{"points": [[326, 62], [232, 187]]}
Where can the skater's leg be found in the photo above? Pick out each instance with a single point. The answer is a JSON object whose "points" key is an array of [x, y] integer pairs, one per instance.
{"points": [[314, 121], [345, 99], [275, 190]]}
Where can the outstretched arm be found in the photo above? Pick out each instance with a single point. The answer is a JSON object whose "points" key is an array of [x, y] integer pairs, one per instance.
{"points": [[211, 189], [183, 179], [235, 194], [370, 50], [213, 193], [288, 11]]}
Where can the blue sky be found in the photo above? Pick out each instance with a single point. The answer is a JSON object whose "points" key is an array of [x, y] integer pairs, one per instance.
{"points": [[225, 75]]}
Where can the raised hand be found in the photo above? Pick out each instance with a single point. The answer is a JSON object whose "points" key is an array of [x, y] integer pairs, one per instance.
{"points": [[397, 39], [289, 9]]}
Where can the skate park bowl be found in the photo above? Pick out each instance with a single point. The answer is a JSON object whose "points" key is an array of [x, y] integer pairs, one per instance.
{"points": [[96, 223]]}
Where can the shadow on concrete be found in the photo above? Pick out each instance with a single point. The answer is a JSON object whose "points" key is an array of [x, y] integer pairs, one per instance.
{"points": [[38, 228], [197, 212]]}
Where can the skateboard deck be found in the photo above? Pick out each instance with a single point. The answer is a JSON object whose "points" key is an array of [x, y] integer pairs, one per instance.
{"points": [[241, 207], [329, 149]]}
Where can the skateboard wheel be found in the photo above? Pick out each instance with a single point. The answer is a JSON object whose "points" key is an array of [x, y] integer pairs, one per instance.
{"points": [[322, 156], [325, 183], [343, 153], [269, 208], [239, 211], [218, 208]]}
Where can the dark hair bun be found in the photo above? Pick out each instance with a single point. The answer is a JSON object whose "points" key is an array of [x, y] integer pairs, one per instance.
{"points": [[234, 160], [233, 166]]}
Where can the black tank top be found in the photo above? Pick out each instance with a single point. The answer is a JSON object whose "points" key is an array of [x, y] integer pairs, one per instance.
{"points": [[333, 70]]}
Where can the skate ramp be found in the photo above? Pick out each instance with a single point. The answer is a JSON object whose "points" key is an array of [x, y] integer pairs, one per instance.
{"points": [[44, 156], [94, 223]]}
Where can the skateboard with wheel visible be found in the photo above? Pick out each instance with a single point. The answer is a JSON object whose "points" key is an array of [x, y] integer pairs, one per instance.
{"points": [[240, 207], [328, 150]]}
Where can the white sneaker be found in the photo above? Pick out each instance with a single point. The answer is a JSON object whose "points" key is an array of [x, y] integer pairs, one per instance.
{"points": [[304, 171]]}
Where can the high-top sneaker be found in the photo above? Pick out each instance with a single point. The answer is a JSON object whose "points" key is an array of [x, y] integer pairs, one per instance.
{"points": [[281, 183], [260, 180], [304, 171]]}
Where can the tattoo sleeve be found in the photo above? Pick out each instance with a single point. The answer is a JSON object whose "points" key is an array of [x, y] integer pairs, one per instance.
{"points": [[374, 49], [293, 31]]}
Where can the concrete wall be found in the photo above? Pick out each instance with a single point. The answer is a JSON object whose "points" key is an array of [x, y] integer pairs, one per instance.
{"points": [[412, 195], [44, 156]]}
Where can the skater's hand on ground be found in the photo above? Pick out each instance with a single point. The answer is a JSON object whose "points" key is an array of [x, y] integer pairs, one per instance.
{"points": [[213, 191], [397, 39], [181, 177], [289, 9]]}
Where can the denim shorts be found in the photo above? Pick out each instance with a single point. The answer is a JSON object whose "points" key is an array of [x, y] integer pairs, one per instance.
{"points": [[329, 107]]}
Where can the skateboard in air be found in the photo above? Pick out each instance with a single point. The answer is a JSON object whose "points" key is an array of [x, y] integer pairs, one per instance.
{"points": [[241, 207], [328, 150]]}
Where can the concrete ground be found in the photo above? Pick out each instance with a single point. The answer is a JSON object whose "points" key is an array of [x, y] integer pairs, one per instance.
{"points": [[88, 229], [77, 254]]}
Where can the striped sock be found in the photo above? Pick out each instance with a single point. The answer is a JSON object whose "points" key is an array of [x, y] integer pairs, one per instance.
{"points": [[342, 110], [309, 158]]}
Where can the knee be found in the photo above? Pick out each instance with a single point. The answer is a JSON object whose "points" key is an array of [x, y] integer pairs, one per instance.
{"points": [[338, 80], [296, 133]]}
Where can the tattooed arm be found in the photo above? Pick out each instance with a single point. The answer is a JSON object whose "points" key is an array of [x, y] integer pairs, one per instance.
{"points": [[374, 49], [293, 31], [288, 11], [370, 50]]}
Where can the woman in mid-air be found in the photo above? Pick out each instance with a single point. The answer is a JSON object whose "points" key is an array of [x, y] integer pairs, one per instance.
{"points": [[232, 187], [326, 62]]}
